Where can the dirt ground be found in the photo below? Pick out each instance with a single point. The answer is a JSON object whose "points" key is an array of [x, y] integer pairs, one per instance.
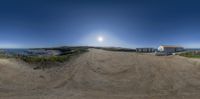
{"points": [[100, 74]]}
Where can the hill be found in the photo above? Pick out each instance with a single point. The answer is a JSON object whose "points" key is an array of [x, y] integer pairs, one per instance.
{"points": [[100, 74]]}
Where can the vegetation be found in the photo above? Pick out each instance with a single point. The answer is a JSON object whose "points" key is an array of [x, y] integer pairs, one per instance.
{"points": [[3, 55], [193, 54], [36, 59], [65, 55], [45, 61]]}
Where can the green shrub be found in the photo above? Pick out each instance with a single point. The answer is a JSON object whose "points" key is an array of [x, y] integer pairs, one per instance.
{"points": [[36, 59], [194, 54], [47, 61]]}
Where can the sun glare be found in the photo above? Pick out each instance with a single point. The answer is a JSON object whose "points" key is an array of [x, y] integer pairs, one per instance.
{"points": [[100, 39]]}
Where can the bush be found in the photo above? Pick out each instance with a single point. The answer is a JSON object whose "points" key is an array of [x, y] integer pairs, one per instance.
{"points": [[36, 59], [45, 61], [194, 54]]}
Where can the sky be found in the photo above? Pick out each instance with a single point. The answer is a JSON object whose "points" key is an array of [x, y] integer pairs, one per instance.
{"points": [[121, 23]]}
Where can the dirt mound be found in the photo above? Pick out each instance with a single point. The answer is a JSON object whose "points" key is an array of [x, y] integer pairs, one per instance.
{"points": [[100, 74]]}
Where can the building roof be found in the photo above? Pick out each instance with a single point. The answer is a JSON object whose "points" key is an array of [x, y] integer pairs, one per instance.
{"points": [[171, 46]]}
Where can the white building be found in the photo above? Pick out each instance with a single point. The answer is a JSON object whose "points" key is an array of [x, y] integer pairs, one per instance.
{"points": [[170, 49]]}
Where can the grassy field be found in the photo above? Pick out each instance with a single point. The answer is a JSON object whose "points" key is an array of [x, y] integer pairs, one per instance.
{"points": [[193, 54]]}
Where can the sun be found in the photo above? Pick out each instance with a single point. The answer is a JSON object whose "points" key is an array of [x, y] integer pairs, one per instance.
{"points": [[100, 39]]}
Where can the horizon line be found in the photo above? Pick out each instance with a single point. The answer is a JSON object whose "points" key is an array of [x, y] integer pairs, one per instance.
{"points": [[86, 46]]}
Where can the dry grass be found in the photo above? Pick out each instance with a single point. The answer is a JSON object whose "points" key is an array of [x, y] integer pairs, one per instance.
{"points": [[102, 74]]}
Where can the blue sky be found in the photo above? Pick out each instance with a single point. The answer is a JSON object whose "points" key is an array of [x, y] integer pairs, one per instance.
{"points": [[123, 23]]}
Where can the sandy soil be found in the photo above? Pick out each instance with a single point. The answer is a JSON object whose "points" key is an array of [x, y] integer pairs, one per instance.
{"points": [[100, 74]]}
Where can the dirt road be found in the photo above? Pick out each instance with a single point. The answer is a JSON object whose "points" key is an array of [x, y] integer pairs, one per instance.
{"points": [[100, 74]]}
